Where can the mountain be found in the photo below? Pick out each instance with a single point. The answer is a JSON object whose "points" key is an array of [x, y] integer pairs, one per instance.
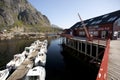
{"points": [[20, 13]]}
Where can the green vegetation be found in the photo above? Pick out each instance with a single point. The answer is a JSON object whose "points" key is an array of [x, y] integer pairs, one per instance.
{"points": [[18, 23], [44, 29], [32, 28], [1, 4]]}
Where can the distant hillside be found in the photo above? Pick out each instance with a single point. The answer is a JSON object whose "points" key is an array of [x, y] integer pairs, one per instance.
{"points": [[20, 14]]}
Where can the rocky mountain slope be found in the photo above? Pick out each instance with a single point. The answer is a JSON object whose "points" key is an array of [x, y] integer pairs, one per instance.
{"points": [[20, 13]]}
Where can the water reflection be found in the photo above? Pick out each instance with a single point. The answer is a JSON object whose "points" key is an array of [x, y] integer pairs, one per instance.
{"points": [[10, 47], [55, 63]]}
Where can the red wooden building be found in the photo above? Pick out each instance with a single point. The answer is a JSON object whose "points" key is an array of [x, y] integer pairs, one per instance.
{"points": [[104, 26]]}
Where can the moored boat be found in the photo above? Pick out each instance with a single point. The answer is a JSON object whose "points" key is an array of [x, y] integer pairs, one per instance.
{"points": [[4, 74], [44, 46], [36, 73], [17, 60], [40, 59], [28, 50]]}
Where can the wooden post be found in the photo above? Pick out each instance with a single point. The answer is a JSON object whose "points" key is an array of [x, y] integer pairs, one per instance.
{"points": [[81, 46], [85, 48], [69, 42], [97, 51], [90, 49], [78, 45]]}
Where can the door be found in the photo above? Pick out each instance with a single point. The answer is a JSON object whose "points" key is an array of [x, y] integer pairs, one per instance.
{"points": [[119, 35], [103, 34]]}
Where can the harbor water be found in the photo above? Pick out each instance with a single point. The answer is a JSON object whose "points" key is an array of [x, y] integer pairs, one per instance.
{"points": [[60, 65]]}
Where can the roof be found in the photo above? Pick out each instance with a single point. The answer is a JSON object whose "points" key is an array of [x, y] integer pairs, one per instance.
{"points": [[106, 18]]}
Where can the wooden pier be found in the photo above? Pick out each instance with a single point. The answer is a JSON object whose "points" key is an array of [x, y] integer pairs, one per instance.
{"points": [[22, 70], [114, 60], [93, 49]]}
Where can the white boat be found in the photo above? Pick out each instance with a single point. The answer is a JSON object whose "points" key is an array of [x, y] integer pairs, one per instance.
{"points": [[36, 73], [43, 49], [4, 74], [45, 42], [40, 59], [36, 43], [17, 60], [28, 50], [44, 46]]}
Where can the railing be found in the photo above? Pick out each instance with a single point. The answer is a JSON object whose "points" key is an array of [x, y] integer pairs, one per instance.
{"points": [[94, 39], [98, 41], [102, 74]]}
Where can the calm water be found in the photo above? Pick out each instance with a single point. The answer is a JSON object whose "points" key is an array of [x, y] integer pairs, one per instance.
{"points": [[59, 66], [10, 47], [62, 66]]}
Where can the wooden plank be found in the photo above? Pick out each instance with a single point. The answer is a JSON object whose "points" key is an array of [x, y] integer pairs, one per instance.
{"points": [[114, 61], [22, 70], [19, 73]]}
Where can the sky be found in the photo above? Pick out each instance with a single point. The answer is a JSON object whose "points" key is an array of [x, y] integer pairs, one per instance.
{"points": [[64, 13]]}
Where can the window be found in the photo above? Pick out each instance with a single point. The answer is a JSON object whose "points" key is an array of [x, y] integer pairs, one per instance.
{"points": [[33, 78], [118, 22], [93, 22], [97, 22], [90, 19], [96, 26], [81, 33], [111, 19], [105, 16], [91, 32], [95, 33], [86, 24], [77, 26]]}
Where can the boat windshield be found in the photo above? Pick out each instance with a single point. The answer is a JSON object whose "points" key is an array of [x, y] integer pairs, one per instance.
{"points": [[16, 57], [33, 78], [41, 54], [27, 50]]}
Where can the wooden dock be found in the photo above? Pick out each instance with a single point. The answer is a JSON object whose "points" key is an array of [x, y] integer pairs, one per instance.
{"points": [[114, 61], [22, 70], [93, 49]]}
